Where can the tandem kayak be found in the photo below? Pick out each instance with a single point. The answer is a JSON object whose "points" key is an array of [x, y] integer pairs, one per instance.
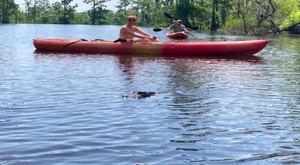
{"points": [[186, 49], [178, 35]]}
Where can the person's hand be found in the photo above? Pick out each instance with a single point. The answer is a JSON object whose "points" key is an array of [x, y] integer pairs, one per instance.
{"points": [[153, 39], [129, 40]]}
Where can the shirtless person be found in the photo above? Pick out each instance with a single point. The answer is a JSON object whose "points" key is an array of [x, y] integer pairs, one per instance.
{"points": [[130, 32]]}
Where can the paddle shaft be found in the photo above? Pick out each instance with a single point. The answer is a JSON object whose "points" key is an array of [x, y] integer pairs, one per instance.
{"points": [[191, 34], [73, 43], [169, 16]]}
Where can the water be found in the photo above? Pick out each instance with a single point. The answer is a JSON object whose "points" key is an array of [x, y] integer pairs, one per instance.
{"points": [[69, 109]]}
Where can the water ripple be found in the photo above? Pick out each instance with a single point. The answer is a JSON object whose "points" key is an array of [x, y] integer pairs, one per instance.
{"points": [[68, 108]]}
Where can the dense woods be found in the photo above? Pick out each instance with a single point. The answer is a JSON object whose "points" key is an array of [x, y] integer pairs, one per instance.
{"points": [[253, 17]]}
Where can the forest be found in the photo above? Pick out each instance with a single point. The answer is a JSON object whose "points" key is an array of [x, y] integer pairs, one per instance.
{"points": [[250, 17]]}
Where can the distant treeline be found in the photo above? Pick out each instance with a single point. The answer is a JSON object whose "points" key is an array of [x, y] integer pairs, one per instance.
{"points": [[253, 17]]}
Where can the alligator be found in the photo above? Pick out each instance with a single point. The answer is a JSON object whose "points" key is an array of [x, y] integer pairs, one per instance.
{"points": [[142, 94]]}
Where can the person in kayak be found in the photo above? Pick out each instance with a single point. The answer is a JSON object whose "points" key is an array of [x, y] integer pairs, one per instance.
{"points": [[172, 26], [177, 26], [132, 33]]}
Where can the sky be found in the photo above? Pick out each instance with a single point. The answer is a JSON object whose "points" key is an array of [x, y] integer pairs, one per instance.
{"points": [[81, 6]]}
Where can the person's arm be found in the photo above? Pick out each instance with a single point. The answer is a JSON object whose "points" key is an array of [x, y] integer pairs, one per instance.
{"points": [[149, 37], [137, 30], [184, 28], [171, 28], [127, 31]]}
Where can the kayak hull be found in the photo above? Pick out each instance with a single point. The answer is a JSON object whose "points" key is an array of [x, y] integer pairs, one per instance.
{"points": [[211, 48], [178, 35]]}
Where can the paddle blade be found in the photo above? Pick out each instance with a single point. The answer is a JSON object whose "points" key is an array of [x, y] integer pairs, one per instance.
{"points": [[157, 29], [168, 15]]}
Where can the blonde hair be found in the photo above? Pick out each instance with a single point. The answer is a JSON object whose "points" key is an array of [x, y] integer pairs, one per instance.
{"points": [[131, 16]]}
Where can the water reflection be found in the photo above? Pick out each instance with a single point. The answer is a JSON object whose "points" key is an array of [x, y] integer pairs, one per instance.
{"points": [[126, 66], [201, 85]]}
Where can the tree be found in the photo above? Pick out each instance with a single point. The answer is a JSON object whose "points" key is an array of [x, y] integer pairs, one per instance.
{"points": [[122, 6], [42, 11], [15, 13], [183, 10], [27, 9], [254, 17], [5, 11], [81, 18], [68, 11], [214, 25], [98, 10], [55, 12], [259, 17], [145, 10], [288, 15]]}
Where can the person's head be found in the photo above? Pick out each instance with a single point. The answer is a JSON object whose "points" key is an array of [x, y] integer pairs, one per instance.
{"points": [[174, 22], [131, 19], [179, 21]]}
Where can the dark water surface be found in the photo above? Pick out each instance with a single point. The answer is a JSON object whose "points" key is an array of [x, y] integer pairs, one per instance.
{"points": [[69, 109]]}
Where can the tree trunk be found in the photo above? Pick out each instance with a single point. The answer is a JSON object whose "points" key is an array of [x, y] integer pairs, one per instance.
{"points": [[27, 10], [192, 14], [213, 25], [244, 23], [94, 13], [5, 12]]}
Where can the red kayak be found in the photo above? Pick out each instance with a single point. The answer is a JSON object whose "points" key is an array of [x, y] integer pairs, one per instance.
{"points": [[186, 49], [178, 35]]}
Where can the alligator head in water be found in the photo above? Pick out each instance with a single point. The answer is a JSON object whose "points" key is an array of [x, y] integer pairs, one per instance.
{"points": [[140, 94]]}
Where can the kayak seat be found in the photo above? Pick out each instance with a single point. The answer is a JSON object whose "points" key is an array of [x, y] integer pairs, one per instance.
{"points": [[120, 40]]}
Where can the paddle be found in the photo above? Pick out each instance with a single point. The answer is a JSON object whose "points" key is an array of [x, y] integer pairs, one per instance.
{"points": [[168, 16], [191, 34], [73, 43], [157, 29], [171, 18]]}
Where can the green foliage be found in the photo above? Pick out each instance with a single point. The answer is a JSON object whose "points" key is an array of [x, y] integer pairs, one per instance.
{"points": [[237, 16], [68, 12], [183, 9], [122, 6], [97, 12], [119, 18], [7, 9], [97, 15], [55, 12], [289, 13], [203, 14], [292, 19], [233, 25], [81, 18]]}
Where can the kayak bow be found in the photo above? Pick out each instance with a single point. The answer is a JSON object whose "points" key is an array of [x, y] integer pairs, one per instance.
{"points": [[178, 35]]}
